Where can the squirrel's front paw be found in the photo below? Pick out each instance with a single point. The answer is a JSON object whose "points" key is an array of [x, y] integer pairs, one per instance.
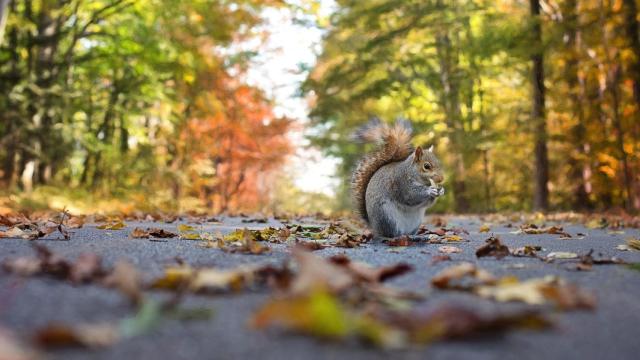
{"points": [[433, 191]]}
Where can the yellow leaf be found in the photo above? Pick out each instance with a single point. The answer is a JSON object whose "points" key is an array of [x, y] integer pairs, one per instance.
{"points": [[116, 225], [633, 244], [453, 238], [190, 236], [185, 228]]}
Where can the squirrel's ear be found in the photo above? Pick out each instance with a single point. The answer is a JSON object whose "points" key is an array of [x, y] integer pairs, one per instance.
{"points": [[417, 154], [430, 149]]}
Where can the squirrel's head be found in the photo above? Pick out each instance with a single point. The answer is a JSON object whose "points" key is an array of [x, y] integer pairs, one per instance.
{"points": [[427, 165]]}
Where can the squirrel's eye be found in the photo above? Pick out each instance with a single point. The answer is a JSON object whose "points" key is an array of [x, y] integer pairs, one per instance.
{"points": [[427, 166]]}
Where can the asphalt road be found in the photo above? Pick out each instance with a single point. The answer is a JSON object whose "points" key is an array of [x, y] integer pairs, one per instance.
{"points": [[610, 331]]}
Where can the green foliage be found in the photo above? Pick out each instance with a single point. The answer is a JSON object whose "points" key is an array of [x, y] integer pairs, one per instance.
{"points": [[101, 95], [460, 72]]}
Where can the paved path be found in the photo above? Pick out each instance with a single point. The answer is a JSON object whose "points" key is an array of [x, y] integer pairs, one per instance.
{"points": [[609, 332]]}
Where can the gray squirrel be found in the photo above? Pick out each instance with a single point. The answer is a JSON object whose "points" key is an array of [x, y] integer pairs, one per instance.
{"points": [[394, 185]]}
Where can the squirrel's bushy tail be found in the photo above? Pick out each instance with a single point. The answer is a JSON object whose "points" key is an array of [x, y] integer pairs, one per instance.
{"points": [[394, 145]]}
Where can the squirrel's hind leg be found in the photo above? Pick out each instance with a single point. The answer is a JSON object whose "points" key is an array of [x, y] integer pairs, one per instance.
{"points": [[382, 224]]}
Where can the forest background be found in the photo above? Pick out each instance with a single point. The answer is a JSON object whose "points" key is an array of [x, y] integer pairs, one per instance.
{"points": [[148, 105]]}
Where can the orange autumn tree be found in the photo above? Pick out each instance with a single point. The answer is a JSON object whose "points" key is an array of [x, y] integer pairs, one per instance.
{"points": [[233, 142], [228, 140]]}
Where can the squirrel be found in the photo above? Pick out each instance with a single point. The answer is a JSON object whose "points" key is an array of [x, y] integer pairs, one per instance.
{"points": [[394, 185]]}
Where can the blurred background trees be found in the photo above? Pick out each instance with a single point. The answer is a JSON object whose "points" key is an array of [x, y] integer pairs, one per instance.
{"points": [[531, 104], [122, 95]]}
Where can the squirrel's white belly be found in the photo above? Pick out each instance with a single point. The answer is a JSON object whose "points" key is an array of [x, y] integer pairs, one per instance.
{"points": [[407, 218]]}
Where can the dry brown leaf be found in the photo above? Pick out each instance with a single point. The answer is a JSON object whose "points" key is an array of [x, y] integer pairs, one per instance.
{"points": [[316, 273], [527, 251], [539, 291], [207, 279], [463, 276], [139, 233], [403, 240], [12, 349], [535, 230], [325, 316], [367, 273], [14, 232], [23, 266], [493, 247], [87, 267], [84, 335], [115, 225], [75, 222], [310, 245], [633, 243], [126, 278]]}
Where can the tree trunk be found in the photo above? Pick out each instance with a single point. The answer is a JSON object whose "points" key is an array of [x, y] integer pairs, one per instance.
{"points": [[631, 29], [541, 191], [450, 102], [633, 38], [577, 134], [617, 123]]}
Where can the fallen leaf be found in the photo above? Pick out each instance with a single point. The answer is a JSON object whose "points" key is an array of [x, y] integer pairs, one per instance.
{"points": [[561, 255], [493, 247], [597, 224], [453, 238], [623, 247], [526, 251], [85, 335], [116, 225], [538, 291], [464, 276], [23, 266], [318, 274], [535, 230], [12, 349], [185, 228], [75, 222], [139, 233], [149, 315], [13, 232], [587, 261], [207, 280], [325, 316], [86, 268], [484, 228], [363, 271], [126, 278], [310, 245], [403, 240], [449, 249], [633, 243]]}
